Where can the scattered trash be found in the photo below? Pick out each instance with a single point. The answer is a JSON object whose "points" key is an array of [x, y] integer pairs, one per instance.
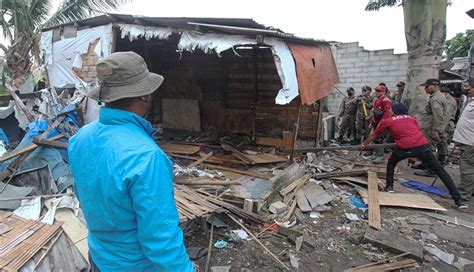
{"points": [[220, 244], [242, 234], [216, 221], [441, 255], [294, 261], [196, 253], [344, 229], [357, 202], [287, 224], [352, 217], [315, 214]]}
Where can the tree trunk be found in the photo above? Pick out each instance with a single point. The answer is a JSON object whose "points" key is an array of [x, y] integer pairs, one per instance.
{"points": [[425, 33]]}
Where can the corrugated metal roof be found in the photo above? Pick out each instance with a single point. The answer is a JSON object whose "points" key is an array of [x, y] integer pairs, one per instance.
{"points": [[240, 26]]}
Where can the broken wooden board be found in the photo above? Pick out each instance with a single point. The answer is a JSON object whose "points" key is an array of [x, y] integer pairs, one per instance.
{"points": [[179, 148], [202, 159], [74, 229], [244, 157], [362, 181], [395, 243], [374, 206], [29, 148], [417, 201], [451, 220], [316, 195], [386, 267], [302, 202], [265, 158]]}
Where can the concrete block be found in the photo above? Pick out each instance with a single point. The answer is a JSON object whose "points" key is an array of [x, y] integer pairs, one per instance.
{"points": [[374, 58], [278, 207], [384, 52], [386, 57], [350, 55]]}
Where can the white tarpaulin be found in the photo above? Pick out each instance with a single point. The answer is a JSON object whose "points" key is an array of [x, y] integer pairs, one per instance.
{"points": [[217, 43], [61, 55], [134, 32]]}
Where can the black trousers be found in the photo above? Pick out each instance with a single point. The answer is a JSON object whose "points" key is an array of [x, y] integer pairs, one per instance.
{"points": [[94, 267], [425, 154]]}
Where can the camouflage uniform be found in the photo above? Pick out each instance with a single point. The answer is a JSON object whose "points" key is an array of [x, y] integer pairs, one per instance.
{"points": [[450, 115], [347, 113], [433, 118], [362, 122]]}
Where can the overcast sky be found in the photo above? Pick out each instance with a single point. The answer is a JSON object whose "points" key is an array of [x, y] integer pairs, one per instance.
{"points": [[331, 20]]}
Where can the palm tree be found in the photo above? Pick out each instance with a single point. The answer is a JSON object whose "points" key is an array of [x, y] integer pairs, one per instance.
{"points": [[425, 34], [22, 21]]}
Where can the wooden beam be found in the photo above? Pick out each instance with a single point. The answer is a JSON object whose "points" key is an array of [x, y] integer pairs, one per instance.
{"points": [[9, 97], [243, 172], [295, 136], [49, 143], [26, 149], [237, 153], [333, 148], [206, 182], [199, 161], [320, 120], [217, 160], [374, 205], [22, 106]]}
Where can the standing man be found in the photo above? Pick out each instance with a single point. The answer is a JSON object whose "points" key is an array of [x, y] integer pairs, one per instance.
{"points": [[381, 110], [450, 115], [123, 180], [397, 96], [347, 113], [410, 142], [464, 136], [432, 121], [364, 108]]}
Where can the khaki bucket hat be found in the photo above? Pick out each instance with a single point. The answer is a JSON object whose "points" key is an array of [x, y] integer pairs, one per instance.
{"points": [[124, 75]]}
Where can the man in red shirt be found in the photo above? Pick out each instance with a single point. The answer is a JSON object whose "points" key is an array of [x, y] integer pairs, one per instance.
{"points": [[381, 111], [410, 142]]}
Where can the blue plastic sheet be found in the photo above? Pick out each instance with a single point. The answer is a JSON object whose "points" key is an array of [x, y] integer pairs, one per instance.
{"points": [[424, 187], [357, 202]]}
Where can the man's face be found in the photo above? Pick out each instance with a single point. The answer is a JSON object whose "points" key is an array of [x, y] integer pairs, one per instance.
{"points": [[429, 89], [400, 88], [379, 93], [365, 92], [468, 89], [350, 93], [146, 101]]}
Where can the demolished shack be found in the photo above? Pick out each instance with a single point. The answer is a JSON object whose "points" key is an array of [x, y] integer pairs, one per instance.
{"points": [[223, 75]]}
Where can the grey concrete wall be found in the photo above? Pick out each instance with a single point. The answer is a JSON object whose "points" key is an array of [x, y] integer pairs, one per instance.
{"points": [[358, 67]]}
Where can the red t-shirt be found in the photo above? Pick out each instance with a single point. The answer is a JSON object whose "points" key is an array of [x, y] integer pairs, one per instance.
{"points": [[404, 129], [383, 104]]}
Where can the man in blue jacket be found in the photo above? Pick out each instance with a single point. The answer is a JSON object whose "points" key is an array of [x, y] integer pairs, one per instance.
{"points": [[123, 180]]}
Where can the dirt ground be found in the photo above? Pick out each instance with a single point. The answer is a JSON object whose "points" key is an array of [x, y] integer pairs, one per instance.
{"points": [[338, 243]]}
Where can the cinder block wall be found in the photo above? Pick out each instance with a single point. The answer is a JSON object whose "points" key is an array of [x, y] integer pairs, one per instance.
{"points": [[358, 67]]}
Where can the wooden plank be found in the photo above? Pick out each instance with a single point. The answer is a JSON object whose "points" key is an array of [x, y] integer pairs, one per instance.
{"points": [[374, 206], [316, 195], [450, 220], [238, 154], [349, 147], [202, 159], [179, 149], [417, 201], [265, 158], [213, 159], [295, 184], [243, 172], [26, 149], [455, 234], [302, 202], [206, 182], [394, 242], [49, 143], [375, 263], [20, 104], [386, 267]]}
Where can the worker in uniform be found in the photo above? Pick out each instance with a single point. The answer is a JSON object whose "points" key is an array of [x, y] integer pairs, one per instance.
{"points": [[380, 111], [347, 113], [364, 108], [450, 115], [464, 137], [432, 121], [410, 142]]}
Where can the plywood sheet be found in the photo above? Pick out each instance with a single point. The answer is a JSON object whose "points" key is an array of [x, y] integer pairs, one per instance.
{"points": [[417, 201], [181, 114], [374, 206], [74, 228], [316, 195], [179, 148], [302, 201]]}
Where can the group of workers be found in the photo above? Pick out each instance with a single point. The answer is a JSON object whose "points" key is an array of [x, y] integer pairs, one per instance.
{"points": [[391, 122], [124, 181]]}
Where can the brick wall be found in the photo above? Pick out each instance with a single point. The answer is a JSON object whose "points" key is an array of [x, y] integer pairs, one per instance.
{"points": [[358, 67], [89, 60]]}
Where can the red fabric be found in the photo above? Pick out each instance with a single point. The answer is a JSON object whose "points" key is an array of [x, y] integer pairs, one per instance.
{"points": [[384, 104], [404, 129], [316, 71]]}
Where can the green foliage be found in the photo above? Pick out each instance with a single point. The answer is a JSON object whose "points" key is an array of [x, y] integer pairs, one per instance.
{"points": [[459, 45], [378, 4]]}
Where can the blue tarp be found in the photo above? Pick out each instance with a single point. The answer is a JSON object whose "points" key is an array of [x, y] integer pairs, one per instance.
{"points": [[424, 187], [55, 158]]}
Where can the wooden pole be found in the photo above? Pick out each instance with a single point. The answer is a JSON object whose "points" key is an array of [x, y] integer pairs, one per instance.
{"points": [[258, 241], [332, 148], [320, 120], [209, 250], [297, 125]]}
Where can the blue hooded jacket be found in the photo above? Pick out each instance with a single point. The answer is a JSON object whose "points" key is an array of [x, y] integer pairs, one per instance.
{"points": [[124, 183]]}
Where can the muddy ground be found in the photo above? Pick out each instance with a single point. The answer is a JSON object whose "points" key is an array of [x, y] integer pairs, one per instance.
{"points": [[339, 243]]}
